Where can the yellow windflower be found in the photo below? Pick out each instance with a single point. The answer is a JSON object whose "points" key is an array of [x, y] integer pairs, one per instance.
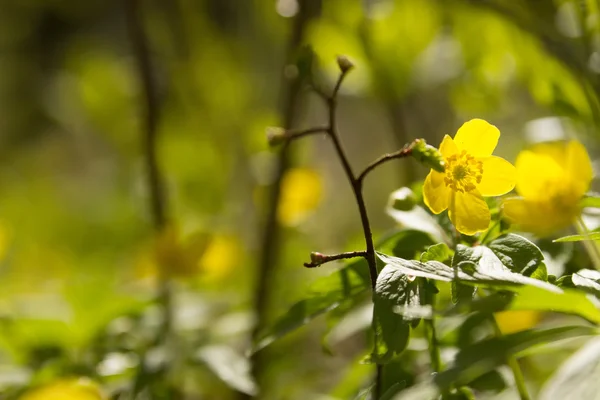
{"points": [[471, 172], [551, 178]]}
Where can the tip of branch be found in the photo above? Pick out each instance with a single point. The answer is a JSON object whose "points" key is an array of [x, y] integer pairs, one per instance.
{"points": [[276, 135], [344, 63]]}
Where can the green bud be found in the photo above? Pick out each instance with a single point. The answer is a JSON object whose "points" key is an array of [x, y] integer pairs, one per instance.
{"points": [[276, 135], [344, 63], [427, 155], [402, 199]]}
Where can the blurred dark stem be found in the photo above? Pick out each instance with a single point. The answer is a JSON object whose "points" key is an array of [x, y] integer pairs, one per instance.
{"points": [[150, 114], [271, 230]]}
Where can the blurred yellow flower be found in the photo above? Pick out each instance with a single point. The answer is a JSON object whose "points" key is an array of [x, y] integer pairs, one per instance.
{"points": [[301, 192], [551, 178], [66, 389], [213, 257], [471, 172], [516, 321], [221, 256]]}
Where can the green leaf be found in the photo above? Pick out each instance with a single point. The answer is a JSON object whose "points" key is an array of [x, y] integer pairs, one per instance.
{"points": [[231, 367], [344, 288], [393, 289], [409, 243], [438, 252], [325, 294], [579, 238], [461, 292], [518, 254], [588, 280], [477, 359], [577, 378], [478, 265], [590, 200]]}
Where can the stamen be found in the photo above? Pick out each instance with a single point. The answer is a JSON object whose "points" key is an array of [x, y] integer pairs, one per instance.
{"points": [[463, 172]]}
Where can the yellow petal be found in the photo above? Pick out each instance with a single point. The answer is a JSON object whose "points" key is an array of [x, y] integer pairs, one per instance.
{"points": [[536, 173], [540, 218], [499, 176], [579, 167], [478, 137], [448, 147], [469, 212], [436, 194]]}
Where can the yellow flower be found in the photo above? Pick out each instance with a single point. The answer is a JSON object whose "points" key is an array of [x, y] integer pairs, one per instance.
{"points": [[551, 178], [471, 172], [66, 389], [517, 320]]}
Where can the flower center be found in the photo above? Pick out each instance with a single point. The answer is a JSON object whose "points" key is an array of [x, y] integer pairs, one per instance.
{"points": [[463, 172]]}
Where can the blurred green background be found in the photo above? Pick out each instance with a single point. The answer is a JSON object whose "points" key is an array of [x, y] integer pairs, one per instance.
{"points": [[82, 258]]}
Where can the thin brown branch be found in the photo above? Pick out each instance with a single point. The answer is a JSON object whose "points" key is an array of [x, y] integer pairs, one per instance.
{"points": [[318, 259], [297, 134], [405, 152]]}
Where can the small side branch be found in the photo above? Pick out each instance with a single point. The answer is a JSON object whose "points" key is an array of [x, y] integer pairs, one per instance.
{"points": [[317, 259], [405, 152]]}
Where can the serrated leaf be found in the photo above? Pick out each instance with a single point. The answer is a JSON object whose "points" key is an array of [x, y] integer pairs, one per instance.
{"points": [[478, 265], [393, 289], [438, 252], [577, 378], [579, 238], [477, 359]]}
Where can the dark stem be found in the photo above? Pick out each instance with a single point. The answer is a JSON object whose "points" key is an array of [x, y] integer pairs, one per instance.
{"points": [[150, 113], [317, 259], [355, 183], [405, 152], [362, 209]]}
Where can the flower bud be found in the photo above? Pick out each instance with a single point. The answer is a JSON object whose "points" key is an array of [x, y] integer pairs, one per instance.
{"points": [[276, 135], [402, 199], [344, 63], [427, 155]]}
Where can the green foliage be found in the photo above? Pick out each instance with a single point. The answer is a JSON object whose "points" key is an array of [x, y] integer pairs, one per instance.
{"points": [[325, 294], [393, 289], [477, 359]]}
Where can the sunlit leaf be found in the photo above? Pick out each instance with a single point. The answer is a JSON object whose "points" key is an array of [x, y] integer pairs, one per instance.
{"points": [[482, 357], [579, 238], [477, 265]]}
